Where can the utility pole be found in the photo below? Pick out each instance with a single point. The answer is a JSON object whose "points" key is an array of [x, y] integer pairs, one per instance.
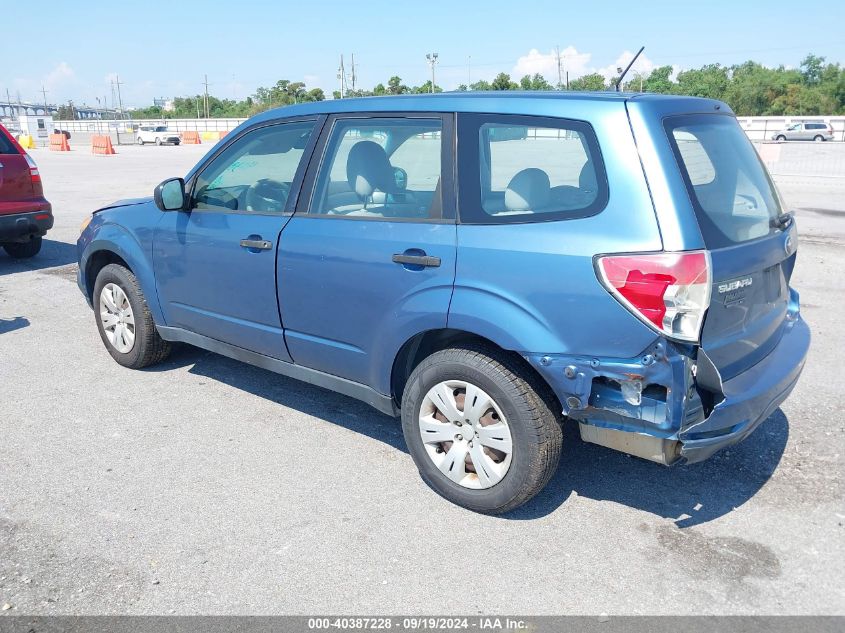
{"points": [[44, 93], [341, 76], [119, 98], [432, 60], [206, 96], [353, 72], [559, 69]]}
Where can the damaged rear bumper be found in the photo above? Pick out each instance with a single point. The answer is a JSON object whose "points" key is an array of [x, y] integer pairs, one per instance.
{"points": [[750, 397], [654, 407]]}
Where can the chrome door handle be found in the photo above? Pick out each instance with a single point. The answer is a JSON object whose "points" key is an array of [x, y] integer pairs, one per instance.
{"points": [[263, 245], [418, 260]]}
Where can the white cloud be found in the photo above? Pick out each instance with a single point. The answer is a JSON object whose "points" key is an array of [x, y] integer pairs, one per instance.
{"points": [[643, 66], [578, 64], [572, 62], [61, 75]]}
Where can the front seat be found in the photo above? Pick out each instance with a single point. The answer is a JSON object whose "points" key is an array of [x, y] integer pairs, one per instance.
{"points": [[528, 191], [368, 170]]}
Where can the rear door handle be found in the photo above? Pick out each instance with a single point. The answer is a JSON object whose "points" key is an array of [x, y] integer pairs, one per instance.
{"points": [[417, 260], [263, 245]]}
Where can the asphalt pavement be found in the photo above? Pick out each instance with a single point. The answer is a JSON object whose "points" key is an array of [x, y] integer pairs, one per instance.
{"points": [[206, 486]]}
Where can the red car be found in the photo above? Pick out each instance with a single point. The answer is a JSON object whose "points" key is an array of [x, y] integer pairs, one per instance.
{"points": [[25, 215]]}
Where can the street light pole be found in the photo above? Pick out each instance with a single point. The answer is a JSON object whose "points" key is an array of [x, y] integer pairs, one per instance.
{"points": [[432, 60]]}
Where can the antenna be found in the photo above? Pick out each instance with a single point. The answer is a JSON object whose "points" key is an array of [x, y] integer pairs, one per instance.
{"points": [[627, 68]]}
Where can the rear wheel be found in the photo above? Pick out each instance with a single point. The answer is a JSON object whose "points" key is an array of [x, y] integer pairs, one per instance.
{"points": [[23, 250], [818, 138], [481, 429], [124, 320]]}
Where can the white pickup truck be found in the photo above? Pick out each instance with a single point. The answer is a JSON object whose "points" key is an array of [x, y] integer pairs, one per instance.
{"points": [[158, 134]]}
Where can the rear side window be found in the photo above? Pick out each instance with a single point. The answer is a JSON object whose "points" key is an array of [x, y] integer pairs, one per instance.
{"points": [[733, 196], [528, 169], [6, 146]]}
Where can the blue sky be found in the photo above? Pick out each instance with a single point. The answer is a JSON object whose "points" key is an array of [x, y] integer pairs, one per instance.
{"points": [[165, 48]]}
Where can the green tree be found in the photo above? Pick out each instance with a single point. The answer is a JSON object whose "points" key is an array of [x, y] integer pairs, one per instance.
{"points": [[503, 82], [426, 87], [709, 81], [811, 69], [481, 84], [591, 82], [395, 86], [535, 82], [658, 81]]}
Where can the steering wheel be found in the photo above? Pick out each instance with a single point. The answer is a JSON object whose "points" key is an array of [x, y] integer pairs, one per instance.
{"points": [[267, 196]]}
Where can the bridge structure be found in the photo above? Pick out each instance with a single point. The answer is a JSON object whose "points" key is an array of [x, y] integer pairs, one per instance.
{"points": [[14, 109]]}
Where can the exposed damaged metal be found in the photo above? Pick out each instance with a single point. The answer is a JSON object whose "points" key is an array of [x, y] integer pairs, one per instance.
{"points": [[645, 402]]}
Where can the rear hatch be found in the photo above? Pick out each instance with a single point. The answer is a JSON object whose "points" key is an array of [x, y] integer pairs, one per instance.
{"points": [[751, 241], [15, 178]]}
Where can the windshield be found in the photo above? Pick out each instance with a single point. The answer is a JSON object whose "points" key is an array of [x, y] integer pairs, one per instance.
{"points": [[733, 196]]}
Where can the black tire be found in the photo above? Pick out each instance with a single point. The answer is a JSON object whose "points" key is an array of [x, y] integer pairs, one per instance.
{"points": [[140, 141], [780, 137], [176, 142], [818, 138], [149, 348], [23, 250], [526, 402], [158, 141]]}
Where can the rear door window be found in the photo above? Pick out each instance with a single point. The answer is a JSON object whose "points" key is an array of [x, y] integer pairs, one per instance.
{"points": [[528, 169], [6, 146], [733, 195]]}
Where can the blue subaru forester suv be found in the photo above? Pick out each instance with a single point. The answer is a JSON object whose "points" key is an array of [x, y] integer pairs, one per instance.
{"points": [[486, 265]]}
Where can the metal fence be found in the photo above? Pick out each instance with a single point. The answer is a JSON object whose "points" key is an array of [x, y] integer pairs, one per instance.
{"points": [[762, 128]]}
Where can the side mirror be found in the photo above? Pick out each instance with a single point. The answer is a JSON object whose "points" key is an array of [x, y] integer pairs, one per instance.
{"points": [[170, 195]]}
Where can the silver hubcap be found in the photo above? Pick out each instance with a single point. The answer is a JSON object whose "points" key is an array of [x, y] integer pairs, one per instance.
{"points": [[465, 434], [118, 320]]}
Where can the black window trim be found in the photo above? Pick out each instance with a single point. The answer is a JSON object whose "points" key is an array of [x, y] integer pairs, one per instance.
{"points": [[447, 166], [470, 210], [299, 176]]}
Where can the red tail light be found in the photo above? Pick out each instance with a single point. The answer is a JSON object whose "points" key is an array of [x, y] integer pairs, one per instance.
{"points": [[34, 174], [668, 291]]}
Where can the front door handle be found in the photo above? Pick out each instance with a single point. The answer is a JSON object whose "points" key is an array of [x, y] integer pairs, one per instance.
{"points": [[262, 245], [417, 260]]}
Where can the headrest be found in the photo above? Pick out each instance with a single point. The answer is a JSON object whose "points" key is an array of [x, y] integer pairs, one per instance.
{"points": [[368, 169], [528, 190], [587, 179]]}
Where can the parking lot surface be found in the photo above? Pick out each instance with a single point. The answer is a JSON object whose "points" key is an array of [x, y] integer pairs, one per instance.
{"points": [[206, 486]]}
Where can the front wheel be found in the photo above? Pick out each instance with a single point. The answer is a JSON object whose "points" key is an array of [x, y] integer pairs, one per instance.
{"points": [[23, 250], [158, 141], [481, 428], [124, 320], [780, 137], [140, 141]]}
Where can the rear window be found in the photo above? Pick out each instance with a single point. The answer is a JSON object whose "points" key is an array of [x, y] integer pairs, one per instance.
{"points": [[6, 146], [733, 195], [528, 169]]}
